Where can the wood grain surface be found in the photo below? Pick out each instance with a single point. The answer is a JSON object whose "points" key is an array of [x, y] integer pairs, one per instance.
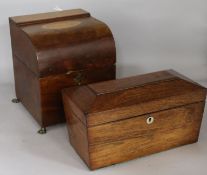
{"points": [[109, 125], [55, 50], [137, 126], [142, 95]]}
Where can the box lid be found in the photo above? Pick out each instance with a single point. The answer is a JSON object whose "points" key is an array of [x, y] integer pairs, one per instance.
{"points": [[58, 42], [108, 101]]}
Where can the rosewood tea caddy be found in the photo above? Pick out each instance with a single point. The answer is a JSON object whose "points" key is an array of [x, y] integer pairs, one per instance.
{"points": [[123, 119], [55, 50]]}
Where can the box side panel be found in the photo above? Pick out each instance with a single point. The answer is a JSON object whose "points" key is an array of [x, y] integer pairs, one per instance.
{"points": [[51, 86], [22, 48], [135, 138], [27, 89], [77, 132]]}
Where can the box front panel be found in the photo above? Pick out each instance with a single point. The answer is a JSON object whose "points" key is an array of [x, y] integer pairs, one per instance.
{"points": [[51, 86], [128, 139]]}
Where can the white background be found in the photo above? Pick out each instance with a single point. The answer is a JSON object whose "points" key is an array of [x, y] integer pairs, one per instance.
{"points": [[150, 35]]}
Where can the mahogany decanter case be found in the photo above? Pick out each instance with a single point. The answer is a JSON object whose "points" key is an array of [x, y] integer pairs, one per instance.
{"points": [[56, 50]]}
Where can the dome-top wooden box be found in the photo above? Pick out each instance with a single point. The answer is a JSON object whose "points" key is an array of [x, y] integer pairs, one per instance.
{"points": [[123, 119], [55, 50]]}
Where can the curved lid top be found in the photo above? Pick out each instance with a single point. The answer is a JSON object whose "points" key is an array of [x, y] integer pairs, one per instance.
{"points": [[50, 16], [64, 41]]}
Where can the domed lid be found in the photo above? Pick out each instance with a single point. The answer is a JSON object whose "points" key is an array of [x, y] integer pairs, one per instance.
{"points": [[58, 42]]}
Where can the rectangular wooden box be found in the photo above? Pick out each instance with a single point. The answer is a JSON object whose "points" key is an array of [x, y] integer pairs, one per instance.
{"points": [[119, 120], [55, 50]]}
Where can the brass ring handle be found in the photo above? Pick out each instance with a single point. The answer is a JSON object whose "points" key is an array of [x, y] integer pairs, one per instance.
{"points": [[150, 120]]}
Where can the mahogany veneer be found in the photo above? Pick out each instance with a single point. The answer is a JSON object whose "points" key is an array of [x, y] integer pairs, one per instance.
{"points": [[55, 50]]}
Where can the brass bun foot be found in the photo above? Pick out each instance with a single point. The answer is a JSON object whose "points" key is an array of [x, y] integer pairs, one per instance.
{"points": [[42, 131], [15, 100]]}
